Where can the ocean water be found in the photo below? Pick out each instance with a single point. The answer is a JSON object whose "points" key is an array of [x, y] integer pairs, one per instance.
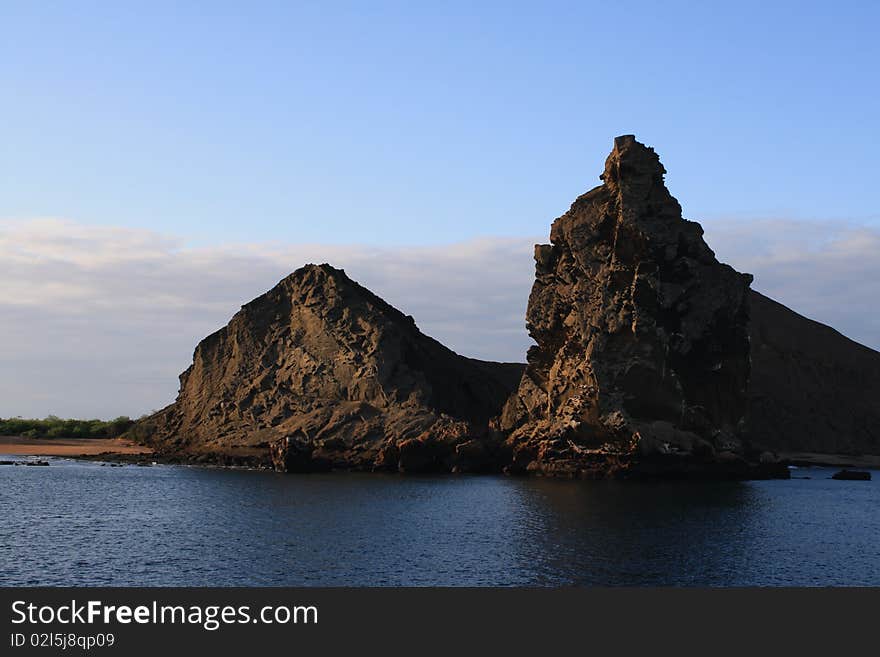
{"points": [[78, 523]]}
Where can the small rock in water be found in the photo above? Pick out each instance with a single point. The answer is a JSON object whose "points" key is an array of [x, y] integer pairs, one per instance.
{"points": [[852, 475]]}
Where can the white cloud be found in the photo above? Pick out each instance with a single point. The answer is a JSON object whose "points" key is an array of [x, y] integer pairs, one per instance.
{"points": [[99, 321], [828, 271]]}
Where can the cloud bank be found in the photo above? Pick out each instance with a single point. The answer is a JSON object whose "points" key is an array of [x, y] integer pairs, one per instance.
{"points": [[99, 321]]}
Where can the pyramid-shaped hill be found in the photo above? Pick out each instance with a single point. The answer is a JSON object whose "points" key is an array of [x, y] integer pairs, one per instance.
{"points": [[326, 374]]}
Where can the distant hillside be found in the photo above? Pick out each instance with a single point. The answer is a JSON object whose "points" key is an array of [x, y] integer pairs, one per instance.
{"points": [[812, 389]]}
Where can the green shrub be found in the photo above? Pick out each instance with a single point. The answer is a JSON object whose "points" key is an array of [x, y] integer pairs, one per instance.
{"points": [[56, 427]]}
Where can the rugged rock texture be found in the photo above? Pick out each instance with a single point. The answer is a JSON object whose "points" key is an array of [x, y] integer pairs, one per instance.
{"points": [[642, 356], [319, 373], [812, 389]]}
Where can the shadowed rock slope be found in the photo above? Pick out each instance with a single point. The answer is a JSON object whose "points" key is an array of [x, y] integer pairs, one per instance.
{"points": [[323, 373], [812, 389], [642, 356]]}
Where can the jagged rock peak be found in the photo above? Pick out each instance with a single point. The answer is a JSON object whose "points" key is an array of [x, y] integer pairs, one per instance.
{"points": [[632, 161], [642, 335]]}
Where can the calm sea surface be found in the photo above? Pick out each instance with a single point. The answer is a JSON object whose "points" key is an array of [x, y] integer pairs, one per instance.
{"points": [[79, 523]]}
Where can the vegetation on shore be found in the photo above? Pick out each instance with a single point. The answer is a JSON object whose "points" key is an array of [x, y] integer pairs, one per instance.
{"points": [[56, 427]]}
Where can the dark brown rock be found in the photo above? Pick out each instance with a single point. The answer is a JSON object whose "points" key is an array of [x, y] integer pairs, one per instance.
{"points": [[322, 373], [852, 475], [812, 389], [642, 335]]}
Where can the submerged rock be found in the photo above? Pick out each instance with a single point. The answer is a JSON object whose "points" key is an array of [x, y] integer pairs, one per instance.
{"points": [[321, 373], [852, 475], [642, 354]]}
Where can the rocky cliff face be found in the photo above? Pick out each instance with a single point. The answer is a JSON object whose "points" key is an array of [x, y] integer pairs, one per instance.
{"points": [[642, 354], [323, 373], [812, 389]]}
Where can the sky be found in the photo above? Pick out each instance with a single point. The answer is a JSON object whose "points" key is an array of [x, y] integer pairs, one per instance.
{"points": [[162, 163]]}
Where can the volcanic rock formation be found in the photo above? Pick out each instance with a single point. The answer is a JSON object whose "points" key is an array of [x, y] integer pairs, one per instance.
{"points": [[647, 363], [326, 374], [642, 355], [811, 389]]}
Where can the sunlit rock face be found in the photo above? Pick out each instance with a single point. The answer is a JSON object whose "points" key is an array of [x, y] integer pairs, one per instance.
{"points": [[642, 347]]}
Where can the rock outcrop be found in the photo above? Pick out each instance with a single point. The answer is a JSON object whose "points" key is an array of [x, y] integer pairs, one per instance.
{"points": [[812, 389], [321, 373], [651, 359], [642, 356]]}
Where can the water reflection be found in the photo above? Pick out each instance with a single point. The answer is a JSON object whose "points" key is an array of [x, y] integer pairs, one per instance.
{"points": [[611, 533]]}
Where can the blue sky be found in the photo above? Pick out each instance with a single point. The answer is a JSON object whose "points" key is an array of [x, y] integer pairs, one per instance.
{"points": [[421, 123], [162, 163]]}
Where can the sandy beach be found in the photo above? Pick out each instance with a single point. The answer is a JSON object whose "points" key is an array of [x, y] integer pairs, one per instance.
{"points": [[68, 446]]}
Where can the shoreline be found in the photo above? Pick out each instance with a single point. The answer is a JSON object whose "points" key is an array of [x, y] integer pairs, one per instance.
{"points": [[70, 447], [122, 450]]}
